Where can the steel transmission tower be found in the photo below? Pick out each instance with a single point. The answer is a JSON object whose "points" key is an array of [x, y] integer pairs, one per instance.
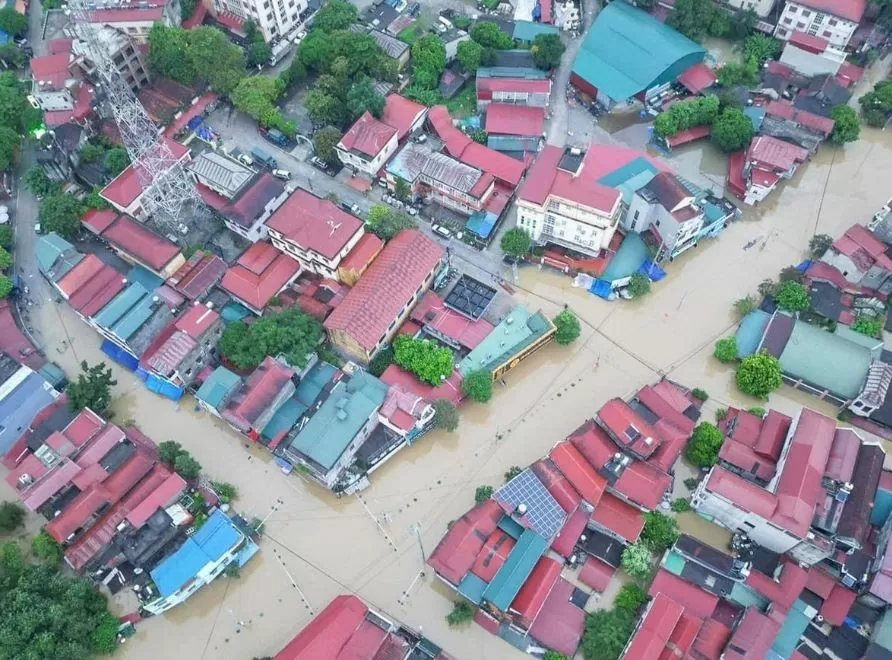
{"points": [[168, 191]]}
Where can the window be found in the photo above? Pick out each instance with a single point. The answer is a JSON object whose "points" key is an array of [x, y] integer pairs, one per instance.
{"points": [[800, 25], [832, 22], [750, 525], [636, 214], [827, 34], [788, 20], [782, 33], [806, 13]]}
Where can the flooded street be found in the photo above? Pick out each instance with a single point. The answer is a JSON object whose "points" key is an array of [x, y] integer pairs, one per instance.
{"points": [[330, 546]]}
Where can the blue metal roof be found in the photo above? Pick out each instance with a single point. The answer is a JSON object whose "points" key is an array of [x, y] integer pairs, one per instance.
{"points": [[482, 223], [145, 277], [516, 569], [18, 408], [134, 319], [756, 115], [122, 303], [528, 31], [472, 588], [311, 385], [217, 387], [213, 540], [284, 418]]}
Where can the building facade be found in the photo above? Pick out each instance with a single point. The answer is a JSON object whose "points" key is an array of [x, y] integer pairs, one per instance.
{"points": [[835, 22], [276, 19]]}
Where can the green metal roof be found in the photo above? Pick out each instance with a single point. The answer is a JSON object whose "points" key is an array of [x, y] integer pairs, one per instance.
{"points": [[791, 631], [311, 385], [746, 597], [331, 429], [628, 51], [510, 337], [49, 248], [750, 331], [134, 319], [882, 633], [634, 168], [218, 386], [472, 588], [510, 72], [528, 31], [516, 569], [284, 418], [511, 527], [122, 303], [826, 360]]}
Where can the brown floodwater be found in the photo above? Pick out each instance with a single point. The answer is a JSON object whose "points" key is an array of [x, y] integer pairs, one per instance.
{"points": [[330, 546]]}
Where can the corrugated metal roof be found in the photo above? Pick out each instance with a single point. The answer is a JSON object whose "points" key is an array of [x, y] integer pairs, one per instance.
{"points": [[509, 580], [218, 386]]}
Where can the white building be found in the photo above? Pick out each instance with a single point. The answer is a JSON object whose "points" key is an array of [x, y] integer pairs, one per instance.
{"points": [[276, 19], [667, 209], [135, 18], [761, 7], [835, 21], [368, 145], [559, 204], [812, 56]]}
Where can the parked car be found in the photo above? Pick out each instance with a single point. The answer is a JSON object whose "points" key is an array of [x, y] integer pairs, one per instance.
{"points": [[411, 210], [413, 9], [320, 164], [441, 230], [264, 159], [245, 160], [285, 175]]}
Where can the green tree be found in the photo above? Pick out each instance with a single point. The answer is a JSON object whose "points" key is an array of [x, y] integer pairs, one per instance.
{"points": [[819, 244], [554, 655], [726, 349], [38, 182], [258, 54], [226, 491], [16, 113], [704, 444], [295, 73], [743, 23], [636, 561], [12, 55], [482, 494], [5, 259], [187, 8], [868, 325], [428, 61], [568, 328], [91, 152], [470, 55], [692, 18], [382, 360], [401, 190], [639, 285], [386, 223], [426, 359], [660, 531], [95, 201], [289, 333], [547, 49], [9, 147], [462, 613], [445, 415], [45, 547], [92, 389], [792, 296], [324, 109], [512, 472], [745, 305], [324, 141], [606, 634], [680, 505], [687, 114], [117, 160], [6, 286], [362, 98], [876, 105], [477, 385], [631, 597], [761, 48], [13, 23], [335, 15], [216, 59], [105, 636], [257, 95], [516, 242], [759, 375], [490, 35], [733, 74], [168, 54], [5, 236], [12, 516], [479, 135], [846, 126], [168, 452], [732, 130], [187, 467]]}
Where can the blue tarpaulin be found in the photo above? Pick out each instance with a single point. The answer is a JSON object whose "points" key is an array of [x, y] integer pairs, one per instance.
{"points": [[601, 288], [163, 387], [193, 123], [804, 266], [119, 355], [652, 270], [482, 223], [141, 373]]}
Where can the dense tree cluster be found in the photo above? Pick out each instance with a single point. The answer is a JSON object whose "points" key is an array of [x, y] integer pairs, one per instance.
{"points": [[429, 361], [568, 328], [876, 105], [289, 333], [704, 445], [92, 389], [547, 49], [386, 222], [732, 130], [687, 114], [516, 242], [188, 56], [759, 375]]}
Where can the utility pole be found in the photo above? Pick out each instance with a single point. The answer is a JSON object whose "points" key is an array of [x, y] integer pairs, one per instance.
{"points": [[417, 529], [272, 509], [377, 522], [293, 583]]}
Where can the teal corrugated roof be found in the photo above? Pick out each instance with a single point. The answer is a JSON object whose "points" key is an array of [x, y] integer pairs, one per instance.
{"points": [[882, 634], [121, 304], [511, 336], [234, 312], [827, 360], [788, 636], [628, 51], [636, 182], [746, 597], [331, 429], [48, 249], [628, 259], [527, 30], [481, 223], [516, 569], [674, 563], [284, 418], [512, 143], [134, 319], [145, 277], [750, 331], [311, 385], [472, 588], [756, 115], [218, 386], [511, 527], [634, 168], [510, 72]]}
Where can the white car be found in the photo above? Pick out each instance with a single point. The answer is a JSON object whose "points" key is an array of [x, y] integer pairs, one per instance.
{"points": [[411, 210], [245, 159], [285, 175], [441, 230]]}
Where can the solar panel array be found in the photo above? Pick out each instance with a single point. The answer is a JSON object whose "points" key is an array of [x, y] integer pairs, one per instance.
{"points": [[470, 297], [544, 515]]}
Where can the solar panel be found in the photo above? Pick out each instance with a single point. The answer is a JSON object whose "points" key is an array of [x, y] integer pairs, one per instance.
{"points": [[470, 297], [632, 433], [543, 514]]}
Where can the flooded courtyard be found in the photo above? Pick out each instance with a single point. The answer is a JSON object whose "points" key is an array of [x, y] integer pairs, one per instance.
{"points": [[317, 546]]}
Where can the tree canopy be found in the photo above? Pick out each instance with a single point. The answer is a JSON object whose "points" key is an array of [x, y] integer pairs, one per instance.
{"points": [[660, 531], [516, 242], [425, 358], [363, 97], [13, 23], [732, 130], [636, 560], [687, 114], [61, 213], [386, 222], [203, 53], [639, 285], [257, 96], [9, 147], [477, 386], [116, 160], [92, 389], [697, 19], [568, 328], [490, 35], [759, 375], [428, 61], [324, 141], [547, 49], [335, 15], [38, 182], [470, 55], [733, 74], [761, 48], [792, 296], [704, 445], [876, 105], [606, 633], [846, 127], [290, 333], [16, 112], [445, 415], [726, 349]]}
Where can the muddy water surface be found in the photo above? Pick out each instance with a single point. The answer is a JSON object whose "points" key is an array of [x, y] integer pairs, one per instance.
{"points": [[329, 546]]}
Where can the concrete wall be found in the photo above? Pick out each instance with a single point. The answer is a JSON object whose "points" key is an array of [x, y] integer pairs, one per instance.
{"points": [[812, 64], [799, 18], [585, 230]]}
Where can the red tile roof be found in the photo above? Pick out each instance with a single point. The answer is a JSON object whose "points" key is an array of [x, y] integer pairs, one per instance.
{"points": [[458, 549], [769, 152], [493, 555], [328, 633], [366, 249], [433, 314], [578, 471], [665, 631], [851, 10], [163, 495], [596, 573], [617, 516], [460, 146], [696, 601], [808, 42], [843, 455], [385, 288], [560, 623], [861, 246], [52, 69], [196, 321], [748, 461], [258, 393], [711, 640], [532, 595], [667, 403], [449, 390], [785, 110], [566, 539], [837, 605], [643, 484], [200, 272], [98, 291], [401, 113], [849, 73], [259, 274], [197, 17], [745, 494], [98, 221], [314, 223], [125, 188], [127, 15], [820, 582], [59, 46], [753, 636], [557, 484], [546, 179], [697, 78], [784, 591], [593, 442], [628, 428], [688, 135], [367, 136], [506, 119], [486, 86], [138, 241]]}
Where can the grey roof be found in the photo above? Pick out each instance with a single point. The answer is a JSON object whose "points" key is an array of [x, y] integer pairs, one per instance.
{"points": [[390, 45], [55, 256], [223, 172], [18, 408], [416, 159], [789, 131], [519, 58]]}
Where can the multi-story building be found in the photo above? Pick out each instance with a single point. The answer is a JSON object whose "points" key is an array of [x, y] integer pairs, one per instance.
{"points": [[123, 48], [666, 208], [753, 175], [367, 145], [315, 231], [828, 19], [276, 19], [561, 203], [259, 274], [761, 7]]}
